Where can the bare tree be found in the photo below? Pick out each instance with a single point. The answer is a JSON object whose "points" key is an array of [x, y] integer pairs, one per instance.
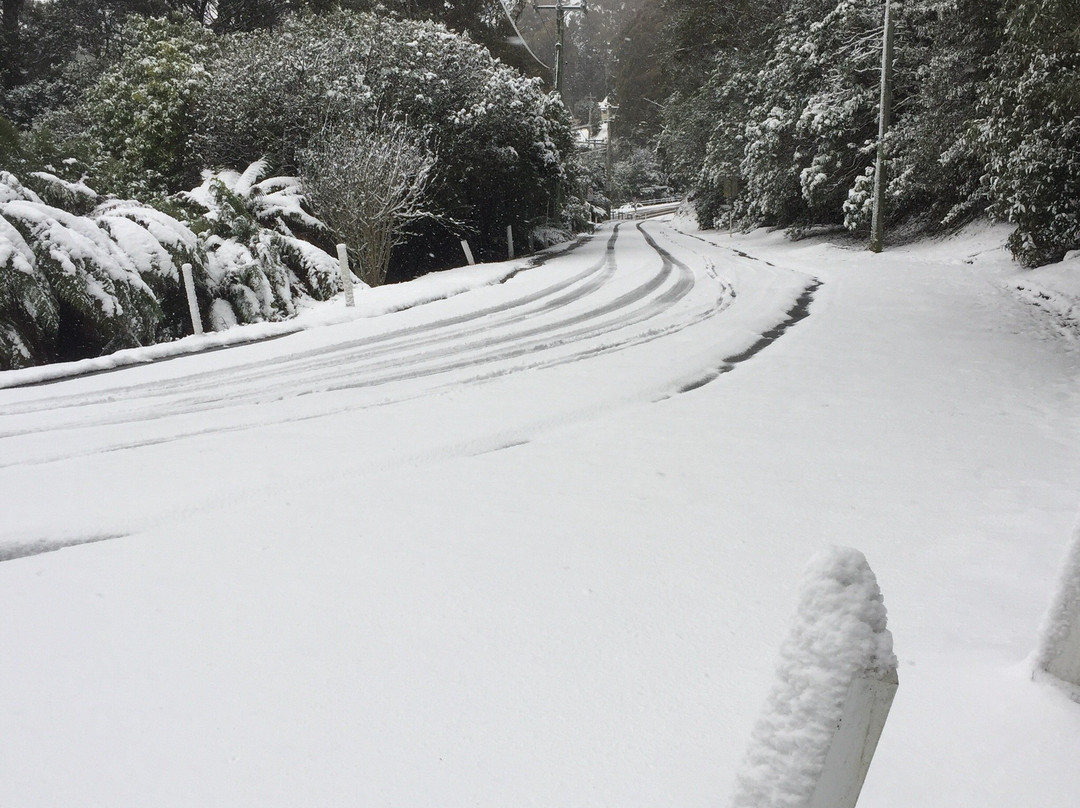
{"points": [[367, 184]]}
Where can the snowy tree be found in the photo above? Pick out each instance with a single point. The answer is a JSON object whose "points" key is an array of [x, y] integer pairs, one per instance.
{"points": [[68, 288], [140, 108], [501, 141], [944, 54], [814, 111], [722, 133], [638, 176], [1031, 131], [253, 265], [369, 185]]}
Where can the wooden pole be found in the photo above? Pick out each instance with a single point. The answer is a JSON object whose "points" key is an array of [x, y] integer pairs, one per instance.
{"points": [[468, 252], [560, 28], [877, 225], [510, 241], [560, 9]]}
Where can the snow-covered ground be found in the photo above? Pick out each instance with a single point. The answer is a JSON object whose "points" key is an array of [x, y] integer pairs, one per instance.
{"points": [[538, 543]]}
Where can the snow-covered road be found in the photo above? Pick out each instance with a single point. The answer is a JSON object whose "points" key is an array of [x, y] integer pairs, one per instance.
{"points": [[613, 294], [513, 547]]}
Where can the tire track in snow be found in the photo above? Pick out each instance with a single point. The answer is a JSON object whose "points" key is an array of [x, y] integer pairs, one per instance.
{"points": [[10, 550], [649, 299], [798, 312], [213, 379]]}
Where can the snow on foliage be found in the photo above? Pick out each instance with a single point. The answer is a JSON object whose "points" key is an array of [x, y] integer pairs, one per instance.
{"points": [[500, 141], [813, 112], [369, 185], [76, 285], [261, 216], [839, 632], [85, 271], [139, 109], [1032, 130]]}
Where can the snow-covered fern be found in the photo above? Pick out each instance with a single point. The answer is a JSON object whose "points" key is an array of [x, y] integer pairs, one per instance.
{"points": [[264, 217], [82, 275]]}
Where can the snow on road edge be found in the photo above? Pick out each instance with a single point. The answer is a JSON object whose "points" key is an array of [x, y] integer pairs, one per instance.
{"points": [[371, 303]]}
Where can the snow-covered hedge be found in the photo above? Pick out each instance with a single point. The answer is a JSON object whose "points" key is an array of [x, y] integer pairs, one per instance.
{"points": [[501, 141], [82, 275]]}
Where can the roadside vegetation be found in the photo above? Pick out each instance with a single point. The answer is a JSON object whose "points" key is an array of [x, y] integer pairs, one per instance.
{"points": [[772, 109], [379, 127]]}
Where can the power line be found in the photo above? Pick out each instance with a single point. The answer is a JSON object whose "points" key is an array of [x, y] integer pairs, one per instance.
{"points": [[513, 25], [560, 10]]}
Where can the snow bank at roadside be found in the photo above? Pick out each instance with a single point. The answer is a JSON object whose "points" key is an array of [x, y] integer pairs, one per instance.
{"points": [[838, 633], [370, 303], [1056, 290]]}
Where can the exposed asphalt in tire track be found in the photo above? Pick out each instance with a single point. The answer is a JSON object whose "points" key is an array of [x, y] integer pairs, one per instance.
{"points": [[798, 312]]}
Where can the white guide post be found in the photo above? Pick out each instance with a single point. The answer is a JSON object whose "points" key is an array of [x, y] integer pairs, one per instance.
{"points": [[468, 252], [193, 303], [834, 686], [346, 275], [1059, 641], [510, 241], [866, 707]]}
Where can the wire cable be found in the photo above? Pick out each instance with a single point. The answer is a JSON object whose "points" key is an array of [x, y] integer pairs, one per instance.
{"points": [[513, 25]]}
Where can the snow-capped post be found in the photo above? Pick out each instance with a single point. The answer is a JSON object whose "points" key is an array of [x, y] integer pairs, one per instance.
{"points": [[346, 274], [835, 682], [510, 241], [1058, 652], [468, 252], [192, 301]]}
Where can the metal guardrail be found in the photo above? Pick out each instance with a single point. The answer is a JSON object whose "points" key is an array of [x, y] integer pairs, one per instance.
{"points": [[641, 210]]}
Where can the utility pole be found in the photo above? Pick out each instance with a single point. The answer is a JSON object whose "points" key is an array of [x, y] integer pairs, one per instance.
{"points": [[607, 117], [877, 223], [560, 8]]}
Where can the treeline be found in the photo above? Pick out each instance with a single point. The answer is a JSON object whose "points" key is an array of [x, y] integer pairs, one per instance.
{"points": [[388, 130], [148, 93], [772, 113]]}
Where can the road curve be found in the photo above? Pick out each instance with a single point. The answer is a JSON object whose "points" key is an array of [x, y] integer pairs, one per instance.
{"points": [[620, 289]]}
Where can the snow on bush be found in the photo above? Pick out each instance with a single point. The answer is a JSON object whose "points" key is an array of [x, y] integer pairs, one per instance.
{"points": [[543, 236], [61, 269], [77, 285], [1058, 650], [138, 110], [254, 258], [500, 141], [839, 632]]}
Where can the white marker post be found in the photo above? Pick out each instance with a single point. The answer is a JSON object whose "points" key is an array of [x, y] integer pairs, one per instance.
{"points": [[468, 252], [1059, 640], [192, 301], [866, 707], [835, 683], [346, 275], [510, 241]]}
